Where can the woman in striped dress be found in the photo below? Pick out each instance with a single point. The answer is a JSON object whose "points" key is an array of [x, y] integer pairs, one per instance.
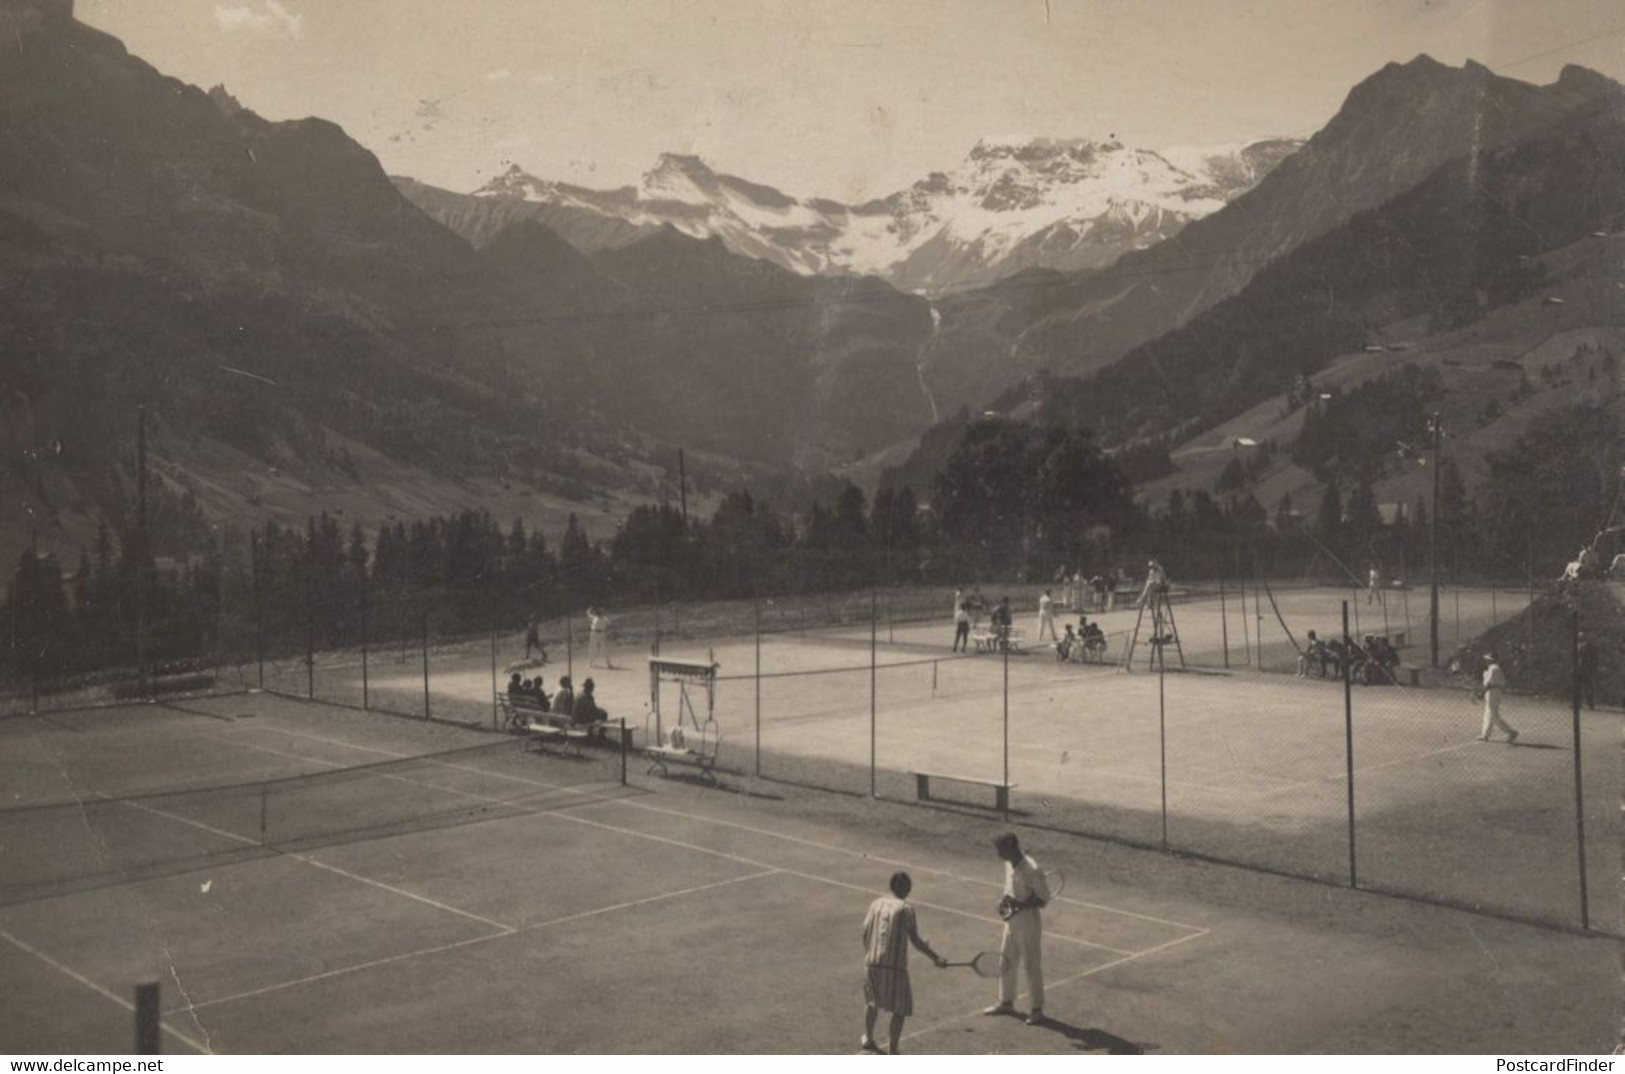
{"points": [[888, 929]]}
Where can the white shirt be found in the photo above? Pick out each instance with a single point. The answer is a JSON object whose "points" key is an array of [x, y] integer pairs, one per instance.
{"points": [[1023, 881], [1494, 678], [599, 624], [1044, 603]]}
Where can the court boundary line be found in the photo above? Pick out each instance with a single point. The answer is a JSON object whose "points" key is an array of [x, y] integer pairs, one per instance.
{"points": [[469, 941], [767, 833], [85, 982], [307, 859], [1050, 986]]}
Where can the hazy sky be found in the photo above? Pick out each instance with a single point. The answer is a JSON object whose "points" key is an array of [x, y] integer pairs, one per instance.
{"points": [[840, 98]]}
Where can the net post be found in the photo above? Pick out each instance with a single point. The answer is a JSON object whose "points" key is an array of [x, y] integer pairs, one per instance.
{"points": [[1348, 743], [934, 665], [427, 712], [1579, 783], [147, 1006], [623, 751]]}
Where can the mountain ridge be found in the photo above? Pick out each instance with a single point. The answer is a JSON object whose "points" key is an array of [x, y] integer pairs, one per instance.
{"points": [[1011, 205]]}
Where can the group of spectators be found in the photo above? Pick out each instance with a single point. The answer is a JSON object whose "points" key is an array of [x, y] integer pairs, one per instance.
{"points": [[1372, 660], [581, 708], [1075, 645]]}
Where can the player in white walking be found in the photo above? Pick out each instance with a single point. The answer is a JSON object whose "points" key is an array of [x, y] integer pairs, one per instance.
{"points": [[1495, 682], [1046, 616], [1026, 893], [1373, 587], [598, 639]]}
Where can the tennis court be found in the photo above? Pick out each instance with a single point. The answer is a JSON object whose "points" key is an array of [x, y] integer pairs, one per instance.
{"points": [[1240, 764], [305, 877]]}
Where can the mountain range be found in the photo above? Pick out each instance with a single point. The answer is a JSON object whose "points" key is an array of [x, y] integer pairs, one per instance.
{"points": [[307, 333], [1013, 204]]}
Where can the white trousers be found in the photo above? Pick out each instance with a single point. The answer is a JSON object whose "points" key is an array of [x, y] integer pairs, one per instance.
{"points": [[1046, 621], [1023, 947], [1492, 715], [597, 649]]}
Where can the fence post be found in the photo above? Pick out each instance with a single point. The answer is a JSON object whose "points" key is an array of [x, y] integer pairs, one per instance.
{"points": [[874, 640], [569, 651], [623, 751], [1224, 623], [1005, 798], [1348, 741], [366, 699], [657, 630], [310, 637], [1162, 736], [496, 720], [1579, 784], [147, 1008], [758, 624], [427, 711], [259, 615], [1246, 643]]}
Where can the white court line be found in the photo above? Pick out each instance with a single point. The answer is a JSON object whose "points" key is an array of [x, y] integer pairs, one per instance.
{"points": [[308, 860], [549, 923], [831, 848], [1050, 986], [81, 979], [1408, 759]]}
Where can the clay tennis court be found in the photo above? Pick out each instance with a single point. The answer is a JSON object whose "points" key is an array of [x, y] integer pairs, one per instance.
{"points": [[302, 876]]}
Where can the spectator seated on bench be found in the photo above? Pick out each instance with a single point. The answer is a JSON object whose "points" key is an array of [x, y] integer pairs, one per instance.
{"points": [[1067, 650], [1091, 640], [585, 713], [1316, 657]]}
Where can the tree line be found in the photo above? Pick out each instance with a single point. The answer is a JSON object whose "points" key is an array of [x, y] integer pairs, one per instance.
{"points": [[1015, 501]]}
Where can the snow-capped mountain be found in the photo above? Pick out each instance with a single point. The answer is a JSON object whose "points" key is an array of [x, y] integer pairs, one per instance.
{"points": [[1013, 204]]}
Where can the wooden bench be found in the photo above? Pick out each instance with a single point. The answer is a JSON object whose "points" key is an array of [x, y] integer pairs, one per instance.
{"points": [[1001, 790], [986, 639], [687, 746], [517, 713]]}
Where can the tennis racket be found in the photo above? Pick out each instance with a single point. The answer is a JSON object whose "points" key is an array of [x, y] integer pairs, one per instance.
{"points": [[1054, 879], [986, 964]]}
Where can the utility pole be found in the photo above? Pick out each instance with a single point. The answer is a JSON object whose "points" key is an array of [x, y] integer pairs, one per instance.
{"points": [[1436, 427]]}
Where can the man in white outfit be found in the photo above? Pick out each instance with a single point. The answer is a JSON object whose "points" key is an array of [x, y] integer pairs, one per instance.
{"points": [[1046, 616], [598, 639], [1495, 683], [1025, 895], [1373, 585]]}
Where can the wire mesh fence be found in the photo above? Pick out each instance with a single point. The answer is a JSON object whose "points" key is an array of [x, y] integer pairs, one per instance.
{"points": [[1220, 741]]}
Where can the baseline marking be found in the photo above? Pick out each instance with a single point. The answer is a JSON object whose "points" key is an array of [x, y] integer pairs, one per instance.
{"points": [[342, 970], [81, 979], [1064, 981]]}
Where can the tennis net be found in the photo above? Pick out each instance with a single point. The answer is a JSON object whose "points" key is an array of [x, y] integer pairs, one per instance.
{"points": [[99, 840]]}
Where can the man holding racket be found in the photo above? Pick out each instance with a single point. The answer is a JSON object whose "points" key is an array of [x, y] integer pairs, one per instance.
{"points": [[1026, 892], [888, 929]]}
